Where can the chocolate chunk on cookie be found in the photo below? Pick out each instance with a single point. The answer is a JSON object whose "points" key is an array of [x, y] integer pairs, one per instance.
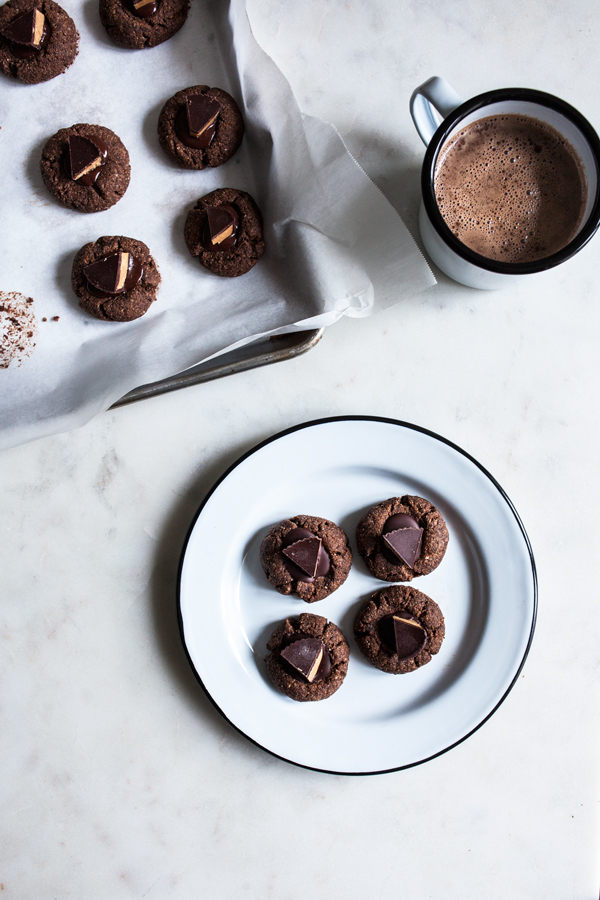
{"points": [[308, 658], [399, 629], [402, 538], [306, 556], [86, 167], [38, 40], [115, 278], [136, 24], [200, 126], [224, 230]]}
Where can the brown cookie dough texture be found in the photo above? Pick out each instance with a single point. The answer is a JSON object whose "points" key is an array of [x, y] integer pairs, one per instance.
{"points": [[113, 176], [249, 245], [335, 542], [54, 56], [119, 307], [315, 627], [396, 599], [127, 29], [227, 138], [370, 545]]}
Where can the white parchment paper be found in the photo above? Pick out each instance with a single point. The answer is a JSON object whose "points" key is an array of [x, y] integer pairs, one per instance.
{"points": [[334, 244]]}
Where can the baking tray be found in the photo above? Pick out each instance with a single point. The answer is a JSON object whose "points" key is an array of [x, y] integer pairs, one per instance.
{"points": [[259, 353]]}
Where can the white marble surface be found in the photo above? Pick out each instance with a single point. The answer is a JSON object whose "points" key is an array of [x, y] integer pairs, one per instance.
{"points": [[119, 779]]}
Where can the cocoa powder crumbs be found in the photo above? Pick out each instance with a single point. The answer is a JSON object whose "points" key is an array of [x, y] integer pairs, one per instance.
{"points": [[18, 327]]}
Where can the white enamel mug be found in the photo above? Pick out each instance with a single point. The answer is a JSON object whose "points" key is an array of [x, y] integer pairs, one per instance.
{"points": [[438, 113]]}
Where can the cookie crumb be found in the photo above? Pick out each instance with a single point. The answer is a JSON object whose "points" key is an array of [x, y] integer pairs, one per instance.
{"points": [[18, 327], [55, 318]]}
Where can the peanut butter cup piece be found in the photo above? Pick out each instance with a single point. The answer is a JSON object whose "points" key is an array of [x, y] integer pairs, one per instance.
{"points": [[116, 273], [144, 9], [305, 552], [221, 229], [27, 30], [115, 278], [399, 629], [306, 556], [308, 657], [38, 40], [403, 634], [84, 158], [201, 114], [136, 24], [402, 538]]}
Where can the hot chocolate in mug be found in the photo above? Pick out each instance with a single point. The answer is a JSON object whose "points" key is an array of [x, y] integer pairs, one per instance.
{"points": [[510, 182]]}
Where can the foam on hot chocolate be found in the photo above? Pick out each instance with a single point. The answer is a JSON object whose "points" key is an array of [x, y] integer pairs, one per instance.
{"points": [[511, 188]]}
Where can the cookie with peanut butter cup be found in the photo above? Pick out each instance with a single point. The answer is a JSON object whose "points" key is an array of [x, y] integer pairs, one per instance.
{"points": [[200, 126], [224, 232], [136, 24], [86, 167], [38, 40], [402, 538], [308, 657], [115, 278], [306, 556], [399, 629]]}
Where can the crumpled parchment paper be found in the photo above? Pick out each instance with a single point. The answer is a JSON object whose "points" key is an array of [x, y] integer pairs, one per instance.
{"points": [[335, 246]]}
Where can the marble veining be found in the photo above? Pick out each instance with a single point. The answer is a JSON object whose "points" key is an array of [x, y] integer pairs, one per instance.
{"points": [[119, 778]]}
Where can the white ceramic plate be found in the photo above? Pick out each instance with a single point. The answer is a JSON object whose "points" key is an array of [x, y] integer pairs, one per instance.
{"points": [[485, 586]]}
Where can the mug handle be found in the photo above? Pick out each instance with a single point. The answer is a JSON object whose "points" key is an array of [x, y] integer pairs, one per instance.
{"points": [[430, 103]]}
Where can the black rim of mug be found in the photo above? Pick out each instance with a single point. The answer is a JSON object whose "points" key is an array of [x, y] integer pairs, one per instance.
{"points": [[443, 133]]}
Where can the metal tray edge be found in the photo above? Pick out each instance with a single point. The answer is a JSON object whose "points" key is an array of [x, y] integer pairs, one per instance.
{"points": [[266, 353]]}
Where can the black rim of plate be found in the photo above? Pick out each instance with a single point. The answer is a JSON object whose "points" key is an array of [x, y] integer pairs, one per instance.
{"points": [[443, 133], [324, 421]]}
